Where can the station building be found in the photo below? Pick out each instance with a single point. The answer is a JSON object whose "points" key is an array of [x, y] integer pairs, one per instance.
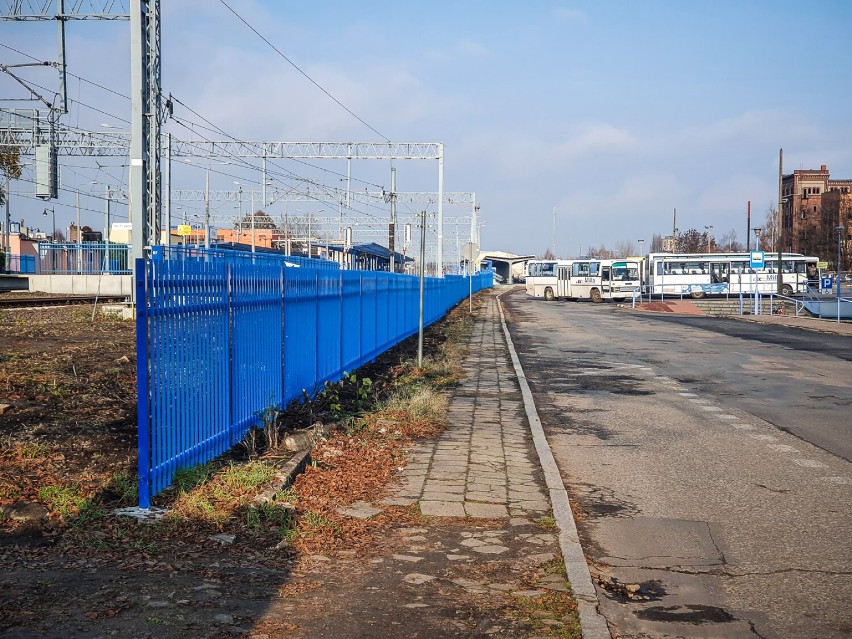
{"points": [[814, 205]]}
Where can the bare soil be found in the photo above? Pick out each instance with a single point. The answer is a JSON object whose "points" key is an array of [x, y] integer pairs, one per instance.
{"points": [[68, 568]]}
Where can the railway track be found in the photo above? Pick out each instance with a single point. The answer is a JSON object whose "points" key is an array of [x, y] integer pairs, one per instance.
{"points": [[36, 302]]}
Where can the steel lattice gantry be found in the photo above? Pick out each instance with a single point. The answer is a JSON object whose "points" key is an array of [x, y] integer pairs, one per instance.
{"points": [[64, 9], [144, 141], [145, 120], [116, 144]]}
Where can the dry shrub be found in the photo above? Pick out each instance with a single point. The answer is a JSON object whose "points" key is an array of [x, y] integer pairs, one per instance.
{"points": [[419, 411]]}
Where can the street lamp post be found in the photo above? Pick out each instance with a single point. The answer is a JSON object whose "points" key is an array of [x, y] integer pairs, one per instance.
{"points": [[240, 208], [642, 248], [839, 230], [707, 230], [53, 213]]}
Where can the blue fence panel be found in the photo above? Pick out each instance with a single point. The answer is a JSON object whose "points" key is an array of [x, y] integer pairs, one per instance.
{"points": [[234, 256], [350, 325], [25, 264], [221, 340], [300, 332], [183, 316], [369, 329], [87, 258], [256, 371], [329, 361]]}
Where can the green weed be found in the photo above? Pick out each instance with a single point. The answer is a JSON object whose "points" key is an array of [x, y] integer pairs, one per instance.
{"points": [[186, 479], [63, 500], [125, 487], [246, 476]]}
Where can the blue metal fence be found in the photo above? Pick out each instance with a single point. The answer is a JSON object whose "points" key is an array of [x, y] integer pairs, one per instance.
{"points": [[21, 263], [218, 342], [86, 258], [232, 256]]}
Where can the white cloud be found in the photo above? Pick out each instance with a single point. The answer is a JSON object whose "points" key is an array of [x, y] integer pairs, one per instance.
{"points": [[473, 49], [569, 15], [523, 155]]}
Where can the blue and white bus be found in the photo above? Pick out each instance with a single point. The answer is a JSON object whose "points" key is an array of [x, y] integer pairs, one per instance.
{"points": [[701, 274], [598, 280], [540, 278]]}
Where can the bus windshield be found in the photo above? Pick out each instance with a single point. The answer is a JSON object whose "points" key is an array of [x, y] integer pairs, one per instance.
{"points": [[624, 272], [544, 269]]}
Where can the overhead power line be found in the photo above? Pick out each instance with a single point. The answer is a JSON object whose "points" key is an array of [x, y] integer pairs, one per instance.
{"points": [[310, 79]]}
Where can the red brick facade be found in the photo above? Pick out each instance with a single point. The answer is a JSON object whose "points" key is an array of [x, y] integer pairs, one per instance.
{"points": [[813, 206]]}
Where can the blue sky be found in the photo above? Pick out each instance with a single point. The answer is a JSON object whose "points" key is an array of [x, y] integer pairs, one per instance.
{"points": [[613, 112]]}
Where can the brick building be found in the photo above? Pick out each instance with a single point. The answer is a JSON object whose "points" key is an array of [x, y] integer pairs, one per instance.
{"points": [[813, 206]]}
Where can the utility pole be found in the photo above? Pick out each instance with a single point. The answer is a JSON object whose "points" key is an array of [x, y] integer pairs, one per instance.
{"points": [[748, 227], [422, 280], [144, 169], [440, 252], [674, 231], [252, 220], [392, 224], [79, 237], [106, 230], [167, 187], [7, 243], [206, 210], [287, 230], [553, 248], [780, 288]]}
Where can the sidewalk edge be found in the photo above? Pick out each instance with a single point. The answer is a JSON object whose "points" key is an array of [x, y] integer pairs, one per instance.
{"points": [[592, 623]]}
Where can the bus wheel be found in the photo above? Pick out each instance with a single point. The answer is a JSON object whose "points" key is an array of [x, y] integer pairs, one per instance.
{"points": [[697, 295], [548, 294], [787, 290], [595, 295]]}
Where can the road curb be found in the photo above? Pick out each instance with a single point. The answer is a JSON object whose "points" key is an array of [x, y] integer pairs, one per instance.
{"points": [[592, 623]]}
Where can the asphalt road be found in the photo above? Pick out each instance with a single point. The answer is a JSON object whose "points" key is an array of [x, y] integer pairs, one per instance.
{"points": [[708, 462]]}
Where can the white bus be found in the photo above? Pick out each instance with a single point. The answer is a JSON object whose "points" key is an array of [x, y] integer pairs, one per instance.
{"points": [[701, 274], [540, 277], [598, 280]]}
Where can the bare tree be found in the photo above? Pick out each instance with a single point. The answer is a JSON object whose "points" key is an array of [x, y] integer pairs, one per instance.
{"points": [[623, 249], [769, 239], [10, 167], [728, 242], [548, 255], [691, 241], [656, 243]]}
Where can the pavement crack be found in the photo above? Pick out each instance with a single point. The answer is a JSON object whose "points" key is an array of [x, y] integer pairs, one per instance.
{"points": [[715, 545], [782, 571], [753, 629]]}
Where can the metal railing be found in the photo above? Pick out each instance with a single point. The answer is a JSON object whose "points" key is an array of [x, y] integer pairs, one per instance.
{"points": [[23, 264], [229, 256], [87, 258], [219, 342]]}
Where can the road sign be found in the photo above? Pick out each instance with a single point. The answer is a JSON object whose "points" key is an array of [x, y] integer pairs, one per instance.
{"points": [[822, 265], [758, 259], [184, 229], [470, 251]]}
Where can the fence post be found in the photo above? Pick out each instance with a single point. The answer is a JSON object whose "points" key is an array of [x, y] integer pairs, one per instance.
{"points": [[229, 275], [143, 406], [283, 291], [317, 320]]}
